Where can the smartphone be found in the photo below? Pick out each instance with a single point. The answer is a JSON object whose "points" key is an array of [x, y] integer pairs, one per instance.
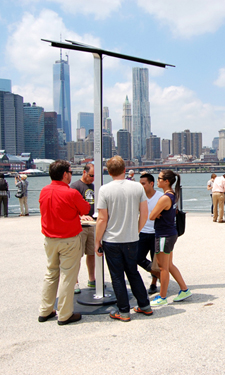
{"points": [[100, 250]]}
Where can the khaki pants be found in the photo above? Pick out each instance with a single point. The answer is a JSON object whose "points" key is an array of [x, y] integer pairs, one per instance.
{"points": [[63, 262], [23, 205], [218, 199]]}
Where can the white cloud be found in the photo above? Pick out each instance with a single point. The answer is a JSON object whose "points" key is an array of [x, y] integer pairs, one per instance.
{"points": [[221, 79], [34, 59], [187, 18], [99, 8], [173, 109]]}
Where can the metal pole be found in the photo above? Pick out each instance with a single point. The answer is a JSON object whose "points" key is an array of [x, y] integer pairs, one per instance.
{"points": [[99, 269]]}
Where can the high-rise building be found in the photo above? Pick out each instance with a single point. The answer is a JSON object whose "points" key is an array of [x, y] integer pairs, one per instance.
{"points": [[85, 120], [166, 148], [124, 144], [105, 115], [221, 151], [106, 145], [127, 117], [11, 123], [61, 94], [153, 147], [51, 135], [5, 85], [34, 130], [187, 143], [196, 144], [215, 143], [108, 125], [141, 111]]}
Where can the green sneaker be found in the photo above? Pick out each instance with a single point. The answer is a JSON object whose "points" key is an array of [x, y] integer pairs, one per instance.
{"points": [[77, 289], [158, 301], [182, 295], [91, 284]]}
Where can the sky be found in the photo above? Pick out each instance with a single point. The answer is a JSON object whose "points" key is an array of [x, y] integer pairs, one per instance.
{"points": [[189, 34]]}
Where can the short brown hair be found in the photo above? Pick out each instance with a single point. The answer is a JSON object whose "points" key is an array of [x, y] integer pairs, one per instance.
{"points": [[57, 169], [115, 166]]}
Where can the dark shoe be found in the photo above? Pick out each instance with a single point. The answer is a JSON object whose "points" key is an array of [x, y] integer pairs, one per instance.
{"points": [[42, 319], [221, 221], [74, 318], [26, 214], [152, 289], [124, 317], [144, 310]]}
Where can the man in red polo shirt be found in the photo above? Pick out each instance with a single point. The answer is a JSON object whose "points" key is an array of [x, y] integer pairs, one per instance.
{"points": [[60, 208]]}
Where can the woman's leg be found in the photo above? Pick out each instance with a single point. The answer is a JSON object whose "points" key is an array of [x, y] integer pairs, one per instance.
{"points": [[176, 273], [163, 262]]}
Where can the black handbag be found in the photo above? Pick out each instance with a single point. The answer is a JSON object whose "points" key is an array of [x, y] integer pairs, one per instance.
{"points": [[180, 222], [19, 195]]}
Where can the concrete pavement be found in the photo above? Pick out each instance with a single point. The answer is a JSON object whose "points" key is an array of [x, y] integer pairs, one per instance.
{"points": [[181, 338]]}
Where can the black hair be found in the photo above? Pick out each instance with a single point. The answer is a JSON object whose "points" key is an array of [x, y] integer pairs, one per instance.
{"points": [[149, 177], [2, 175], [171, 177], [57, 169]]}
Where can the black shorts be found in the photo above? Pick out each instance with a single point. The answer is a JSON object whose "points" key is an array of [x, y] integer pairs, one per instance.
{"points": [[165, 244]]}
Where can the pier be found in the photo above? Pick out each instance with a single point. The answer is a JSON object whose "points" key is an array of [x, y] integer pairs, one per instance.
{"points": [[180, 338]]}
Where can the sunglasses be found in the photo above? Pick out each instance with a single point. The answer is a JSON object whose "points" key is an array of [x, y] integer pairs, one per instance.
{"points": [[91, 175], [69, 172], [160, 178]]}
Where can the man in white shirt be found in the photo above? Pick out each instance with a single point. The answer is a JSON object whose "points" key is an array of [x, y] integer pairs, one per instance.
{"points": [[122, 213], [146, 241], [218, 191]]}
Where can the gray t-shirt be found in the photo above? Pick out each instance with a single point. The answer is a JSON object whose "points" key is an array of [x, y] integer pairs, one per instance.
{"points": [[121, 198]]}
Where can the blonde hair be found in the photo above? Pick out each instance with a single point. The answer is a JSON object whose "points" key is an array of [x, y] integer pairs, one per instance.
{"points": [[23, 176]]}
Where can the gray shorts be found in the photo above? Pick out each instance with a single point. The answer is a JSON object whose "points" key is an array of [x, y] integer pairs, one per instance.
{"points": [[165, 244]]}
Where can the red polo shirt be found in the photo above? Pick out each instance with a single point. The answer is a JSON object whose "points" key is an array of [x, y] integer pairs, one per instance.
{"points": [[60, 208]]}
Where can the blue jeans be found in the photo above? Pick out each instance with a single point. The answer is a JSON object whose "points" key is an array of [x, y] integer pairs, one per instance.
{"points": [[146, 242], [122, 257]]}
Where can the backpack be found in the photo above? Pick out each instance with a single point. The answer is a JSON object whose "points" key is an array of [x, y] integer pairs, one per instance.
{"points": [[3, 184]]}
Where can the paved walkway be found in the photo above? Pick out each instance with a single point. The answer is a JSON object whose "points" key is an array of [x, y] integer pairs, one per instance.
{"points": [[183, 338]]}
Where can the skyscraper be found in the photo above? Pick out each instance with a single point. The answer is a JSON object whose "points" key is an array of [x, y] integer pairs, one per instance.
{"points": [[51, 135], [61, 94], [127, 117], [124, 144], [187, 143], [5, 85], [11, 123], [153, 147], [34, 130], [85, 120], [141, 111]]}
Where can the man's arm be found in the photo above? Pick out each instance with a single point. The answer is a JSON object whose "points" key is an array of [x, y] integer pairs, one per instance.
{"points": [[143, 208], [101, 224]]}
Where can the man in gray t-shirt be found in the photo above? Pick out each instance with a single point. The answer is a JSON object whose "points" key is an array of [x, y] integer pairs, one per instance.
{"points": [[122, 212]]}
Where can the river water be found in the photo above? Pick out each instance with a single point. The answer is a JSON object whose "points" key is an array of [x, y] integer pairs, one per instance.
{"points": [[196, 197]]}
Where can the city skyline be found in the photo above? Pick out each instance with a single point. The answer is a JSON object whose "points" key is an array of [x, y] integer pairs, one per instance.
{"points": [[189, 96]]}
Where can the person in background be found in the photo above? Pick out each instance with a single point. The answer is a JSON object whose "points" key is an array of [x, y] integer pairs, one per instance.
{"points": [[22, 186], [130, 175], [218, 191], [86, 189], [4, 188], [210, 186], [146, 241], [122, 213], [166, 236], [60, 208]]}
